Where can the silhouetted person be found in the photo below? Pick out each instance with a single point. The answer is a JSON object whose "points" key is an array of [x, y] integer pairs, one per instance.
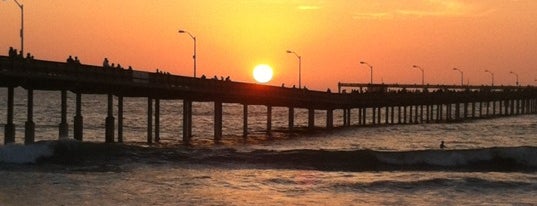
{"points": [[203, 76], [76, 61], [442, 145], [106, 63], [12, 52], [70, 60]]}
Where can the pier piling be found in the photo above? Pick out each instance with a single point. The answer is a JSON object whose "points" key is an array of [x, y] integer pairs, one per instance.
{"points": [[110, 121], [9, 128], [78, 120], [63, 127], [29, 126]]}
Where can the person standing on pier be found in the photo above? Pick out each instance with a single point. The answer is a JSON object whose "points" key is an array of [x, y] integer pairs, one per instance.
{"points": [[442, 145], [106, 64]]}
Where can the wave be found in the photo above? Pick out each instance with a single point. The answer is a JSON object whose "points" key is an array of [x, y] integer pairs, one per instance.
{"points": [[485, 159], [74, 152]]}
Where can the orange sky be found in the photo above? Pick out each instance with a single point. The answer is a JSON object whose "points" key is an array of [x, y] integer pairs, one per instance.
{"points": [[332, 36]]}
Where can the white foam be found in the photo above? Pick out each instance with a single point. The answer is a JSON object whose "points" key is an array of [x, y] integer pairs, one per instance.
{"points": [[21, 154]]}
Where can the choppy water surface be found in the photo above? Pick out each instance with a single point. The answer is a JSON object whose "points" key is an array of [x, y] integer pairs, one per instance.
{"points": [[487, 162]]}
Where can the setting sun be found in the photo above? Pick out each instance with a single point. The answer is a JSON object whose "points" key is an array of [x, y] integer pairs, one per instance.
{"points": [[262, 73]]}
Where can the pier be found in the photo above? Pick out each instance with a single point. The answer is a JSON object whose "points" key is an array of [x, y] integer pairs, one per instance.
{"points": [[362, 104]]}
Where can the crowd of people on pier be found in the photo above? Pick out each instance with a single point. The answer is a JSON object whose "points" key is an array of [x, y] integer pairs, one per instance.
{"points": [[14, 54]]}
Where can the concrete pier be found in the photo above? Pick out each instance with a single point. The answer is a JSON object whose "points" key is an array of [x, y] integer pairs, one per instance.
{"points": [[157, 120], [150, 120], [311, 119], [291, 118], [78, 119], [245, 120], [416, 104], [120, 119], [9, 128], [269, 120], [187, 121], [29, 126], [110, 121], [217, 121], [63, 127]]}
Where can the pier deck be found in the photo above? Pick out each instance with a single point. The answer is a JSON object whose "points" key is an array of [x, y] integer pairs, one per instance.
{"points": [[400, 104]]}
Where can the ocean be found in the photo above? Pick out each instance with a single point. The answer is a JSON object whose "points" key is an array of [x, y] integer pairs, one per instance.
{"points": [[486, 162]]}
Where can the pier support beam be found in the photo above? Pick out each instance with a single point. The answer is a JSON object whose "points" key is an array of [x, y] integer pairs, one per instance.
{"points": [[291, 118], [110, 121], [120, 119], [187, 121], [63, 127], [150, 120], [349, 117], [399, 115], [373, 115], [217, 121], [379, 116], [329, 118], [78, 120], [311, 119], [29, 126], [387, 115], [157, 120], [269, 120], [404, 114], [9, 128], [392, 112], [364, 116], [245, 120], [360, 116]]}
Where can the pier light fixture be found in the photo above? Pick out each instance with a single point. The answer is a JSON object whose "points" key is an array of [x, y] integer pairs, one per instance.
{"points": [[492, 76], [462, 75], [371, 73], [299, 67], [22, 25], [422, 73], [194, 55], [516, 75]]}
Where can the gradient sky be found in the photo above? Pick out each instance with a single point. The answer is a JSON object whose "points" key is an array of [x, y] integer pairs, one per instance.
{"points": [[332, 36]]}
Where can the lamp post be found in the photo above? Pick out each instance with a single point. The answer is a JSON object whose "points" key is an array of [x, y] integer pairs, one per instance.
{"points": [[422, 74], [299, 67], [492, 76], [516, 75], [22, 25], [370, 67], [193, 56], [462, 75]]}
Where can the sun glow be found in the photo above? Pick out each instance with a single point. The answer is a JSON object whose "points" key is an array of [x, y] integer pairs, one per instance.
{"points": [[262, 73]]}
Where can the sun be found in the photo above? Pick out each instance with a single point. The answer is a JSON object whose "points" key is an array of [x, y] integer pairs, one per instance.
{"points": [[263, 73]]}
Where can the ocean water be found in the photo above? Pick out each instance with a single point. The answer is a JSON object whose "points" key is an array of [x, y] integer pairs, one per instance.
{"points": [[487, 162]]}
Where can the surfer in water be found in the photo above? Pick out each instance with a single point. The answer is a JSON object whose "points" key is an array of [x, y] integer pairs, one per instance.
{"points": [[442, 145]]}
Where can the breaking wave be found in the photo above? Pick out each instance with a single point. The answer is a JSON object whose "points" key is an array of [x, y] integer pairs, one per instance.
{"points": [[74, 152]]}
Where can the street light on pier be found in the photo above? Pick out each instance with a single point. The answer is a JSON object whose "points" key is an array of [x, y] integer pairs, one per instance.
{"points": [[193, 56], [492, 76], [370, 67], [462, 75], [422, 74], [516, 75], [299, 67], [22, 25]]}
